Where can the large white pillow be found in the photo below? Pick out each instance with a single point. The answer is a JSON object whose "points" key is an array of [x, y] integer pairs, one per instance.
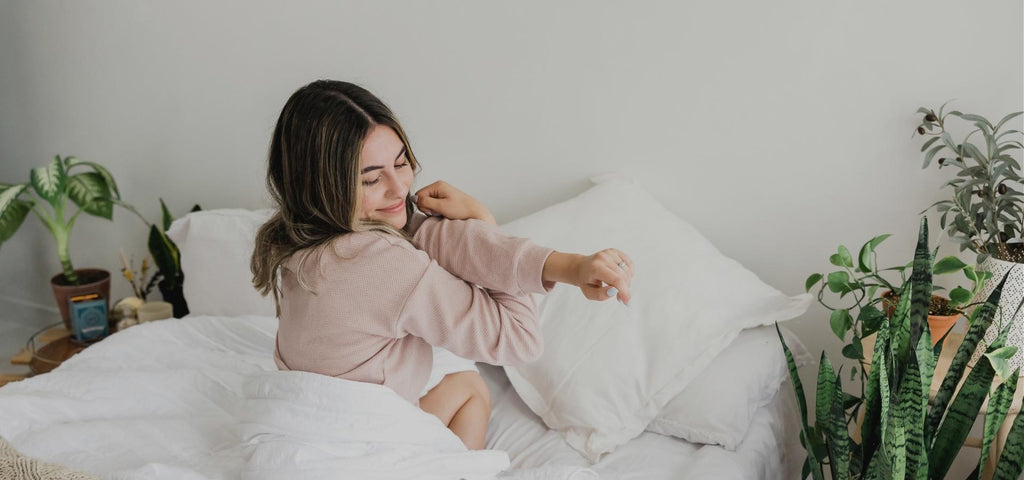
{"points": [[718, 406], [608, 369], [216, 246]]}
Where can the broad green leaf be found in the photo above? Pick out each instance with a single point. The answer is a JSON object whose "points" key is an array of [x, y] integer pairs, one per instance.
{"points": [[840, 321], [166, 215], [948, 265], [90, 192], [921, 291], [912, 403], [12, 217], [838, 434], [959, 296], [956, 425], [864, 257], [871, 426], [165, 255], [811, 280], [9, 193], [844, 255], [925, 356], [839, 282], [1010, 465], [824, 393], [998, 405], [979, 322], [806, 433], [871, 319], [49, 181], [107, 177], [999, 358]]}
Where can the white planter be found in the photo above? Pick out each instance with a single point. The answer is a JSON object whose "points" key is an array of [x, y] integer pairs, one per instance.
{"points": [[1011, 297]]}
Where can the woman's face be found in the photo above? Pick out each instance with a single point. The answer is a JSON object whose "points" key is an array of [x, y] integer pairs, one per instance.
{"points": [[386, 175]]}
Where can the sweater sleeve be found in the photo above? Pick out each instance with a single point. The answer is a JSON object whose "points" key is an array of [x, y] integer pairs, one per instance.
{"points": [[472, 322], [481, 253]]}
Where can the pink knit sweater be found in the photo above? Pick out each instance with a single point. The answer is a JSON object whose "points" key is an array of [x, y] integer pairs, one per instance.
{"points": [[381, 303]]}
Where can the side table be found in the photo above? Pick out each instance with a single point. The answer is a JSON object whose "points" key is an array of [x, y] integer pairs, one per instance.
{"points": [[44, 351]]}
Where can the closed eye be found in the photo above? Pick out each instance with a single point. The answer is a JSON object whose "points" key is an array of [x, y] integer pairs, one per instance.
{"points": [[400, 165]]}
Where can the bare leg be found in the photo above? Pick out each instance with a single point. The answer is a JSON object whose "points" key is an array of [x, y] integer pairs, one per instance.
{"points": [[463, 403]]}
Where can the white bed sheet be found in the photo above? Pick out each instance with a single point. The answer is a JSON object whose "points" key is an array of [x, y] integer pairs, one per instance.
{"points": [[771, 449], [138, 429]]}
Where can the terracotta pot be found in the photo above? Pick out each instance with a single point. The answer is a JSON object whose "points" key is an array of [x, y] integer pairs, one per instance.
{"points": [[937, 324], [93, 280]]}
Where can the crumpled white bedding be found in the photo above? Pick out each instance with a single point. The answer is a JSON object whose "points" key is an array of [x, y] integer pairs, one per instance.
{"points": [[200, 397]]}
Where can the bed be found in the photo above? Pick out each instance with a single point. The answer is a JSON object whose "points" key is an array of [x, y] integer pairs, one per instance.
{"points": [[168, 399], [687, 382]]}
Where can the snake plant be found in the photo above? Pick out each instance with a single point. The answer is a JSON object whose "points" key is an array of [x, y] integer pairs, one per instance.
{"points": [[902, 435]]}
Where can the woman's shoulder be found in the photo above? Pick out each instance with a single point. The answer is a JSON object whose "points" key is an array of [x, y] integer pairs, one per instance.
{"points": [[373, 248]]}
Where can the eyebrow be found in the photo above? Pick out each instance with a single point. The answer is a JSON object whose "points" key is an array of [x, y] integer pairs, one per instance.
{"points": [[378, 167]]}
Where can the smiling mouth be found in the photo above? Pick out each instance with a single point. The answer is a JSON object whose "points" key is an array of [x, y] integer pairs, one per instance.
{"points": [[393, 208]]}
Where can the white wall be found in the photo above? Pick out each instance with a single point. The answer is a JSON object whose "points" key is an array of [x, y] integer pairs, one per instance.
{"points": [[779, 129]]}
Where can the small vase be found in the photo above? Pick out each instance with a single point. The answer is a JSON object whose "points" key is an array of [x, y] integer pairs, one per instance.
{"points": [[92, 280]]}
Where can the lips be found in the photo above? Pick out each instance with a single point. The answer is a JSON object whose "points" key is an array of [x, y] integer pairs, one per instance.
{"points": [[393, 209]]}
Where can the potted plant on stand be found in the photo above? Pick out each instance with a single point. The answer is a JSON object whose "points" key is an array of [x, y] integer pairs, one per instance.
{"points": [[902, 435], [986, 210], [93, 192]]}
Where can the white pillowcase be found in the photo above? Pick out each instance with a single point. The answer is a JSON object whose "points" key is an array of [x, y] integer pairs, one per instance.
{"points": [[607, 369], [718, 406], [216, 246]]}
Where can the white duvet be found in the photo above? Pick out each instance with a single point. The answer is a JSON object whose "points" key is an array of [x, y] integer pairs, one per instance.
{"points": [[200, 397]]}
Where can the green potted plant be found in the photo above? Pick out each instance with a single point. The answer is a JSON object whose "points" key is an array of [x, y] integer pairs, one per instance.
{"points": [[168, 260], [902, 436], [987, 215], [93, 192], [862, 280]]}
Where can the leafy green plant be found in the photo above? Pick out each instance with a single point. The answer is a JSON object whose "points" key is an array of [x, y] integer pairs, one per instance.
{"points": [[901, 435], [986, 208], [166, 255], [93, 192], [862, 280]]}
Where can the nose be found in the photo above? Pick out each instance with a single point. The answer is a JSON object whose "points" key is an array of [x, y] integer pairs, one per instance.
{"points": [[395, 187]]}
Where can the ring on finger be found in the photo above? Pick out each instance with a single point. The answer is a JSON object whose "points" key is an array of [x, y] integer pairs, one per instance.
{"points": [[622, 265]]}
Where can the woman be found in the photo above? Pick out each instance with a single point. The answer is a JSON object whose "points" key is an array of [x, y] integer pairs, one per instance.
{"points": [[364, 286]]}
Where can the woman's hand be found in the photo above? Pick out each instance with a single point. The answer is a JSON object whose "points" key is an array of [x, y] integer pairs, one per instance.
{"points": [[442, 198], [591, 273]]}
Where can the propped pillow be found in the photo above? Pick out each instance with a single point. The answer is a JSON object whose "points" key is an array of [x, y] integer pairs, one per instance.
{"points": [[216, 246], [608, 369], [718, 406]]}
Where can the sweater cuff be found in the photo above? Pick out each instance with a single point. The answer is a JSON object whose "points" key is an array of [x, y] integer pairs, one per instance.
{"points": [[530, 269]]}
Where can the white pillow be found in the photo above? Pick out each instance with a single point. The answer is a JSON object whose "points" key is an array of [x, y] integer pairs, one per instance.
{"points": [[216, 246], [608, 369], [719, 405]]}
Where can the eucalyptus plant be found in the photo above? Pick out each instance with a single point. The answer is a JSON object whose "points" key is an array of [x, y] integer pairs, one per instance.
{"points": [[902, 436], [986, 204], [94, 192]]}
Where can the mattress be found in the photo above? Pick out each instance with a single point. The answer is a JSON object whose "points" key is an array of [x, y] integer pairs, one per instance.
{"points": [[163, 399]]}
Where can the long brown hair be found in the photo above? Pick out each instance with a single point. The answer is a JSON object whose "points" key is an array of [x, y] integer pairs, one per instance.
{"points": [[313, 176]]}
